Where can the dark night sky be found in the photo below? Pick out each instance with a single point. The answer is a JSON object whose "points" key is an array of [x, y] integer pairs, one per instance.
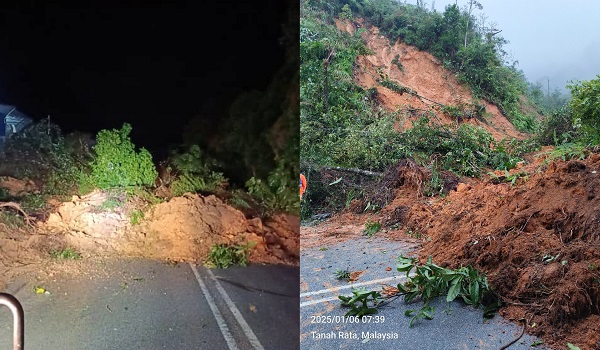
{"points": [[153, 65]]}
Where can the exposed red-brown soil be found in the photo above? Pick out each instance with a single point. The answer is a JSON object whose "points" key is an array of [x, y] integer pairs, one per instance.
{"points": [[538, 240], [425, 75]]}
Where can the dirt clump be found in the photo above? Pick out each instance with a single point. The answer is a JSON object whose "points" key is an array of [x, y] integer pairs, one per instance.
{"points": [[16, 187]]}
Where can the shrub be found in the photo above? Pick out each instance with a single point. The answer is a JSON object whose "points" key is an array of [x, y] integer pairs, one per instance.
{"points": [[585, 107], [558, 128], [117, 164], [41, 152], [278, 193], [196, 172]]}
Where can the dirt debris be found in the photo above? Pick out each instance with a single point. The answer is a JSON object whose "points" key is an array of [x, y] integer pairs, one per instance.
{"points": [[182, 229], [537, 240]]}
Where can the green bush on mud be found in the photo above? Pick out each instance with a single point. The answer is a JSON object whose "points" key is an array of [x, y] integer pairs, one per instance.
{"points": [[279, 193], [41, 152], [117, 164], [196, 172]]}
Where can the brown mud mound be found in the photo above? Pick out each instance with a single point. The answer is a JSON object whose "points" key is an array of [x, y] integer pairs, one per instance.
{"points": [[182, 229], [423, 74], [538, 241], [15, 187]]}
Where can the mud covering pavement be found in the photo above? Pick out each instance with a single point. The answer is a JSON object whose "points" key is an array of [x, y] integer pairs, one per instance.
{"points": [[144, 304], [455, 325]]}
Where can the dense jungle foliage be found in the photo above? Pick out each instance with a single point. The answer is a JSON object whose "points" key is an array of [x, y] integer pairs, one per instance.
{"points": [[343, 125]]}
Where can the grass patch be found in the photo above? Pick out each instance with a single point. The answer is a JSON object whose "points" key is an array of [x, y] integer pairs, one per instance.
{"points": [[111, 204], [136, 216], [65, 254], [33, 202], [12, 220]]}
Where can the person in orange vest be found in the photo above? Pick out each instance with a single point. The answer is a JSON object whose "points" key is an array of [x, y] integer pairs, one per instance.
{"points": [[302, 185]]}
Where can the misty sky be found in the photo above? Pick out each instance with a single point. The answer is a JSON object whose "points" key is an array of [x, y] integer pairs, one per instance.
{"points": [[550, 39]]}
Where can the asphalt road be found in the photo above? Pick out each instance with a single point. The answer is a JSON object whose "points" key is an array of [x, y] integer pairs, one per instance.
{"points": [[454, 326], [143, 304]]}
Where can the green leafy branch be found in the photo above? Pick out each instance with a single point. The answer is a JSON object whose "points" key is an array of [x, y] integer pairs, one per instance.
{"points": [[360, 301], [427, 282]]}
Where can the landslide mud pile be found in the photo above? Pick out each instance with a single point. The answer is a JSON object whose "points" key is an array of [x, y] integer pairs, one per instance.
{"points": [[538, 241], [182, 229]]}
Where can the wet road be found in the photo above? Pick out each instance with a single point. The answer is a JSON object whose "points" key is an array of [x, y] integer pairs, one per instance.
{"points": [[144, 304], [322, 325]]}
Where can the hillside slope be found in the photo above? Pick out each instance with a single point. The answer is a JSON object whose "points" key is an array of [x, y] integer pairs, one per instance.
{"points": [[425, 75]]}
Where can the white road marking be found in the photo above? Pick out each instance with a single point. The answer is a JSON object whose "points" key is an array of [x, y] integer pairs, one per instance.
{"points": [[318, 301], [354, 285], [238, 316], [215, 310]]}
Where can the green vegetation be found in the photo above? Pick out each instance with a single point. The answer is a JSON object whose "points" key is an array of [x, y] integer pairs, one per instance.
{"points": [[362, 303], [397, 87], [40, 152], [396, 61], [585, 108], [237, 200], [118, 164], [12, 220], [568, 151], [136, 216], [508, 177], [33, 202], [196, 172], [428, 282], [222, 255], [65, 254], [342, 274], [371, 228], [111, 203], [277, 193]]}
